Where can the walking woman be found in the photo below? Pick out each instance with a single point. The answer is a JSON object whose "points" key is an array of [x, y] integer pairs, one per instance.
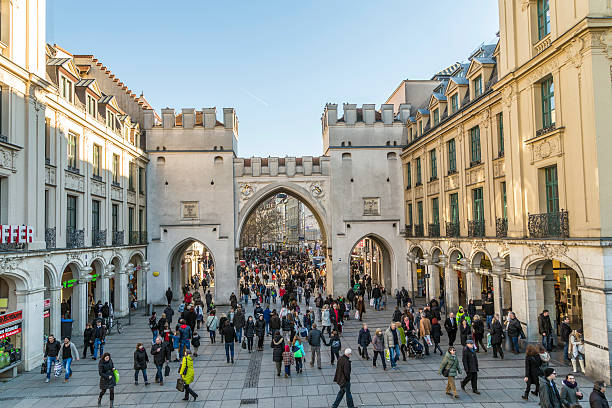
{"points": [[449, 368], [465, 332], [69, 353], [478, 329], [361, 307], [260, 330], [212, 322], [297, 347], [497, 336], [107, 379], [187, 374], [533, 362], [325, 320], [249, 332], [140, 363], [378, 343]]}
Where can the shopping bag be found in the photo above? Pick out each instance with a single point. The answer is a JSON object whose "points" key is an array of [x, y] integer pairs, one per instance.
{"points": [[167, 370], [43, 367], [428, 340], [116, 376], [180, 385], [357, 315], [387, 355], [58, 368], [372, 302], [488, 340]]}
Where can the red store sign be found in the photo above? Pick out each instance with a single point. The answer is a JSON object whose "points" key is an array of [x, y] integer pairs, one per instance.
{"points": [[10, 331], [21, 234], [10, 317]]}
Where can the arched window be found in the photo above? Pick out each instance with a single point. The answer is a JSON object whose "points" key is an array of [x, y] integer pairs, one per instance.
{"points": [[346, 156], [391, 156], [342, 144], [218, 160]]}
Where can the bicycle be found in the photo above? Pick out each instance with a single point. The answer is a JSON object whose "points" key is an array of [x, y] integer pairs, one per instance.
{"points": [[115, 323]]}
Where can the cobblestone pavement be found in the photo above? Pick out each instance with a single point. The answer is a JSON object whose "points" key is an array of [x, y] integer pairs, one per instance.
{"points": [[415, 384]]}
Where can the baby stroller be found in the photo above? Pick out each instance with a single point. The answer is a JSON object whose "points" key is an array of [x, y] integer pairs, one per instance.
{"points": [[415, 349]]}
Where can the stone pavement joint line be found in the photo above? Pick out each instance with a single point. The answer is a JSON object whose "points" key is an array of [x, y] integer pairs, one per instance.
{"points": [[252, 377]]}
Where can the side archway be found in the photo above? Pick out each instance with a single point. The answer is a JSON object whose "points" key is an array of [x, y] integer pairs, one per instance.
{"points": [[188, 259], [372, 262]]}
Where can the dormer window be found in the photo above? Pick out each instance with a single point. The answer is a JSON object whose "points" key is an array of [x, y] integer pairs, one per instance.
{"points": [[420, 128], [436, 117], [110, 119], [66, 89], [478, 86], [455, 103], [91, 105], [543, 18], [410, 132]]}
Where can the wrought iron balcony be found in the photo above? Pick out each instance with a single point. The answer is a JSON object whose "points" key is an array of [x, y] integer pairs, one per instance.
{"points": [[554, 224], [98, 238], [501, 227], [418, 231], [408, 231], [143, 237], [546, 130], [452, 229], [50, 237], [75, 238], [134, 237], [97, 177], [476, 228], [433, 230], [12, 246], [118, 238]]}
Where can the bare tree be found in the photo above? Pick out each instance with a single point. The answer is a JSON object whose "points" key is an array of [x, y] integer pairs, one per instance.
{"points": [[263, 225]]}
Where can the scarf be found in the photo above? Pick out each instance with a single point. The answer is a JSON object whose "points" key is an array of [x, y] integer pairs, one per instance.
{"points": [[569, 384]]}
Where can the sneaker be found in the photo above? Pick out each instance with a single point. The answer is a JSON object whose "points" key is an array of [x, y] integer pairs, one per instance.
{"points": [[476, 392], [147, 383], [161, 383], [46, 380], [65, 380]]}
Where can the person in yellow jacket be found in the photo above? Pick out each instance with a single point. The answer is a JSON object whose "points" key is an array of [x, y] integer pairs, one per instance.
{"points": [[187, 374]]}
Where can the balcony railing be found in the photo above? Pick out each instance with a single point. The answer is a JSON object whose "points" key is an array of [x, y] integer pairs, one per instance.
{"points": [[118, 238], [554, 224], [75, 238], [98, 238], [418, 231], [546, 130], [50, 237], [138, 237], [452, 229], [408, 231], [501, 227], [12, 246], [476, 228], [97, 177], [433, 230]]}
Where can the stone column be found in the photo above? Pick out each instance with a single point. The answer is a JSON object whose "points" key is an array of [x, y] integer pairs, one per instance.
{"points": [[55, 310], [105, 283], [528, 302], [433, 281], [472, 286], [79, 300], [31, 303], [411, 276], [497, 291], [451, 288], [121, 291]]}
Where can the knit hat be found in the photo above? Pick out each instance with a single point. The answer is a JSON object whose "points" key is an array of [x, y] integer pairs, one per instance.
{"points": [[286, 348], [469, 342], [548, 371]]}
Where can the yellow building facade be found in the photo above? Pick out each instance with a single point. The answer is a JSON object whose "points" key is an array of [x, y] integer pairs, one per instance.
{"points": [[506, 180]]}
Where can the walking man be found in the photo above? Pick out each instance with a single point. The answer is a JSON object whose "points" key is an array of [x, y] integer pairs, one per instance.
{"points": [[470, 366], [545, 327], [99, 339], [450, 325], [314, 339], [343, 379]]}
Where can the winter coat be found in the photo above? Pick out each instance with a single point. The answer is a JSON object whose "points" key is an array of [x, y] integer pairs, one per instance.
{"points": [[365, 338], [569, 399], [488, 307], [597, 399], [465, 333], [389, 338], [212, 322], [190, 318], [260, 328], [424, 327], [470, 361], [451, 363], [299, 349], [161, 323], [532, 367], [471, 309], [278, 347], [549, 396], [105, 369], [140, 359], [514, 328], [186, 369], [478, 328], [158, 351], [239, 320], [343, 371], [544, 324], [497, 333], [566, 330], [250, 329], [436, 333], [288, 358], [195, 340], [378, 343], [402, 335], [229, 335], [450, 325], [335, 343], [314, 337], [74, 353], [185, 332], [325, 319], [52, 349], [169, 313], [275, 323], [88, 336]]}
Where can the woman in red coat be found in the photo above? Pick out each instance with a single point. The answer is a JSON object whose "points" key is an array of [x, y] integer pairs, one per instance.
{"points": [[188, 297]]}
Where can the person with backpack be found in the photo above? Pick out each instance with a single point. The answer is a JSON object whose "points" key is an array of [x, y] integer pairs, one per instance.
{"points": [[334, 346], [449, 368], [159, 353], [140, 363], [199, 311]]}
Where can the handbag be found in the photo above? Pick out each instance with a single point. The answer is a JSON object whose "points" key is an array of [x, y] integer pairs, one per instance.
{"points": [[167, 370], [58, 368], [445, 371], [43, 367], [244, 345], [180, 385], [428, 340]]}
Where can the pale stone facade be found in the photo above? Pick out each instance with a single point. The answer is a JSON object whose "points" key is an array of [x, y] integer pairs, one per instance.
{"points": [[530, 216]]}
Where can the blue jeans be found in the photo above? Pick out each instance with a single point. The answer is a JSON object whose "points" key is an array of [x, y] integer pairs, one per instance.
{"points": [[98, 344], [239, 334], [229, 347], [159, 375], [155, 333], [346, 389], [515, 344], [377, 303], [489, 321], [547, 342], [267, 327], [394, 355], [50, 364], [182, 345], [66, 363], [565, 349], [144, 374]]}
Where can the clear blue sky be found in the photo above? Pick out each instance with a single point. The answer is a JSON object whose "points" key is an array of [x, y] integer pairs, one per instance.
{"points": [[276, 62]]}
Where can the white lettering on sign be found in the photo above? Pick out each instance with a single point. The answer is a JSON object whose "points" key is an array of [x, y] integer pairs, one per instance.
{"points": [[20, 234]]}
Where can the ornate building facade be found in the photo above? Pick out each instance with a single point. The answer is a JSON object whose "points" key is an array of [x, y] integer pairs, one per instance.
{"points": [[505, 187]]}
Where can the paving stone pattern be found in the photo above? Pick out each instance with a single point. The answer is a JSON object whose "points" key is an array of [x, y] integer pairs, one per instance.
{"points": [[415, 384]]}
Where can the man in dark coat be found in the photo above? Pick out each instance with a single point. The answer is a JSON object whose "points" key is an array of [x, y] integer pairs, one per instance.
{"points": [[597, 399], [566, 330], [545, 328], [169, 295], [169, 313], [549, 393], [470, 365], [343, 379], [450, 325]]}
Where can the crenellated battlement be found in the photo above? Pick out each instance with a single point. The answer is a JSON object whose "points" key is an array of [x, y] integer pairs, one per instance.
{"points": [[281, 166], [367, 114], [190, 118]]}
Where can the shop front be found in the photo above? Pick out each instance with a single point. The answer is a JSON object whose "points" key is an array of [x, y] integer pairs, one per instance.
{"points": [[10, 343]]}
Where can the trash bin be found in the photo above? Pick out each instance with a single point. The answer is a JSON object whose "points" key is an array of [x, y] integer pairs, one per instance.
{"points": [[66, 328]]}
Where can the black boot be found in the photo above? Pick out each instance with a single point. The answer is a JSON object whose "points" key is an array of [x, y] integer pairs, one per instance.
{"points": [[100, 401]]}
